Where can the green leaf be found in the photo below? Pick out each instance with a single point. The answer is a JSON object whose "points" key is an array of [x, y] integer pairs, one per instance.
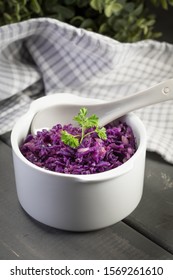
{"points": [[25, 14], [88, 24], [92, 121], [112, 8], [84, 121], [97, 5], [129, 7], [103, 29], [35, 7], [164, 4], [140, 22], [101, 133], [81, 117], [77, 21], [150, 22], [69, 139], [171, 2], [137, 12], [7, 18], [65, 12], [21, 2]]}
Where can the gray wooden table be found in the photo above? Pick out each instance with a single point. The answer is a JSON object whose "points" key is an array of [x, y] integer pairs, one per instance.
{"points": [[145, 234]]}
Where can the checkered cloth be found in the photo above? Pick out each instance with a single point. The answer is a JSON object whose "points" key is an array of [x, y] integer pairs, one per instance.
{"points": [[43, 56]]}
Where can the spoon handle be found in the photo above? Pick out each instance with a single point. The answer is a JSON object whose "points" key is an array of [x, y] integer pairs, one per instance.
{"points": [[155, 94]]}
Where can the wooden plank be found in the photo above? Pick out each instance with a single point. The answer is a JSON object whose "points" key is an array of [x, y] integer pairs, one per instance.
{"points": [[154, 215], [21, 237]]}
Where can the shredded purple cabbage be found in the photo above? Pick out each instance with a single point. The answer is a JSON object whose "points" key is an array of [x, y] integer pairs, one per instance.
{"points": [[94, 155]]}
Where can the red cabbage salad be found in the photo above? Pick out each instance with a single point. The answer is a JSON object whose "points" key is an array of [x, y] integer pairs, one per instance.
{"points": [[84, 149]]}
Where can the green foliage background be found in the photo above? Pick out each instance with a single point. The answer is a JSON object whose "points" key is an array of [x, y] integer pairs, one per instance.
{"points": [[123, 20]]}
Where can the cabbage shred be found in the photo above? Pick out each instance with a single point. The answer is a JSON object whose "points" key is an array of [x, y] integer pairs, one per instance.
{"points": [[94, 155]]}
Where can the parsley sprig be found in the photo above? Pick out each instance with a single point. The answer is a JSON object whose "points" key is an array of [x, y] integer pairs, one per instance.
{"points": [[84, 122]]}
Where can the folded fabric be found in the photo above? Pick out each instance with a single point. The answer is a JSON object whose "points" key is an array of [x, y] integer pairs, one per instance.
{"points": [[44, 56]]}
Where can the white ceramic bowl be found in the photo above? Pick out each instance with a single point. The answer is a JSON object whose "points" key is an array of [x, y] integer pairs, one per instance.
{"points": [[78, 202]]}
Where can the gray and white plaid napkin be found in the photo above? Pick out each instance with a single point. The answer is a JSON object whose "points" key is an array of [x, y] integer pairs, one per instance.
{"points": [[43, 55]]}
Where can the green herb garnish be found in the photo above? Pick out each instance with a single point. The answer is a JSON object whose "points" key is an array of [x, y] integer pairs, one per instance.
{"points": [[84, 122], [69, 139]]}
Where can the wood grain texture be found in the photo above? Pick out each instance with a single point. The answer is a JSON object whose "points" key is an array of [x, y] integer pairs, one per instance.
{"points": [[154, 215]]}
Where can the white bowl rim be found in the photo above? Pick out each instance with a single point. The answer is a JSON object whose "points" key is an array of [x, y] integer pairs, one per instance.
{"points": [[118, 171]]}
